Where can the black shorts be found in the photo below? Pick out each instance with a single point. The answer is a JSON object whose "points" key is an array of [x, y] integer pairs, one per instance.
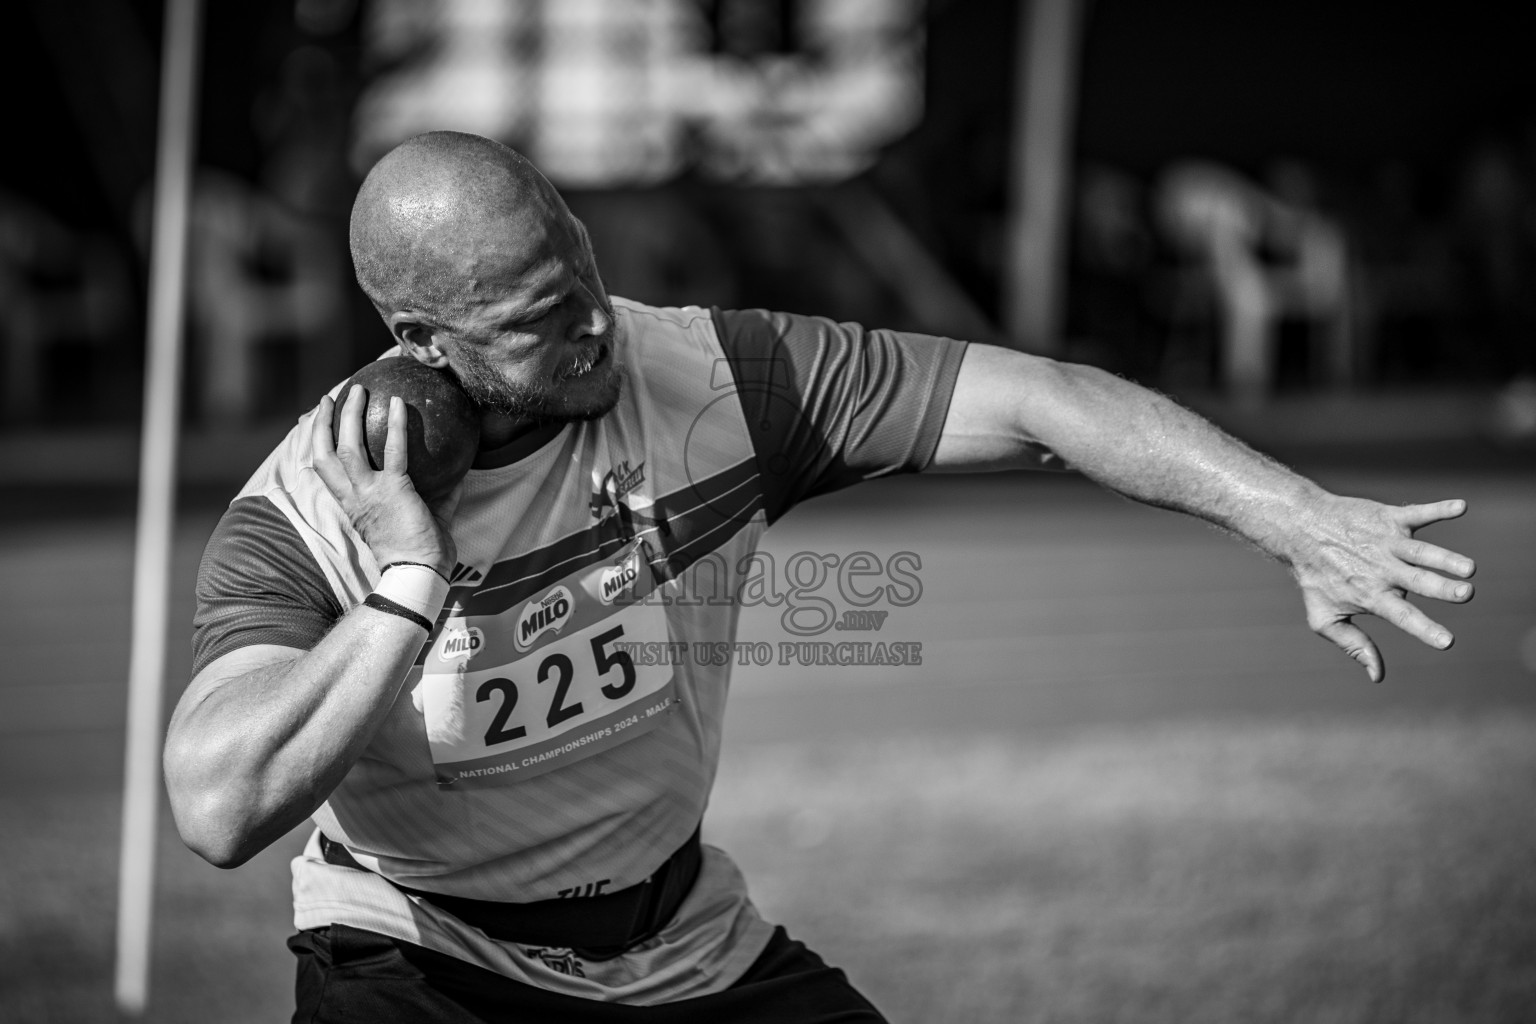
{"points": [[348, 974]]}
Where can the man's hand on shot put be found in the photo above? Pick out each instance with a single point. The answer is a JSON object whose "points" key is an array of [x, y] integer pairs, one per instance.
{"points": [[382, 505]]}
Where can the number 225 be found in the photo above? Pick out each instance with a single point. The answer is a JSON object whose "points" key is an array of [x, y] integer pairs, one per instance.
{"points": [[559, 666]]}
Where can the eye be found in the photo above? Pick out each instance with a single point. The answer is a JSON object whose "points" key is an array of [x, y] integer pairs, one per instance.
{"points": [[522, 323]]}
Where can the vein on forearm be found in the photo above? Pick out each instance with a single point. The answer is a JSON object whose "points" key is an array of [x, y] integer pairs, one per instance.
{"points": [[1145, 446]]}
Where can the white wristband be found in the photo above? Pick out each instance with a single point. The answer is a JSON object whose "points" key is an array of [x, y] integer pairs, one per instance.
{"points": [[417, 587]]}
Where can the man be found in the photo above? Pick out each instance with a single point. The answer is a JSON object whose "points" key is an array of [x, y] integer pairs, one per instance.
{"points": [[508, 816]]}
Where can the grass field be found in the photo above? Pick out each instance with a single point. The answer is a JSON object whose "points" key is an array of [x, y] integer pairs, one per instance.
{"points": [[1198, 872], [1187, 873], [1126, 785]]}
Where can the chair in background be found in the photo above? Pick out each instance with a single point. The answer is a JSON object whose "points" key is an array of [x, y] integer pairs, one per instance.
{"points": [[1252, 258]]}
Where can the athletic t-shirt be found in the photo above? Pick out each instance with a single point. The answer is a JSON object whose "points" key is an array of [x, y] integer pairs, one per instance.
{"points": [[534, 752]]}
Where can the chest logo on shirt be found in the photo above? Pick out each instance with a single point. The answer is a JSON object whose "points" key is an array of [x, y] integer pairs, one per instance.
{"points": [[546, 614], [461, 644], [621, 479], [618, 580], [608, 499]]}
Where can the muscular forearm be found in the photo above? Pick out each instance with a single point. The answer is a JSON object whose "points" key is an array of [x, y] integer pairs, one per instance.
{"points": [[1144, 446], [1025, 411], [250, 754]]}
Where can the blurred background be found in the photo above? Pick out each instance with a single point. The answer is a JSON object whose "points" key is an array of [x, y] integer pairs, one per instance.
{"points": [[1313, 221], [1267, 199]]}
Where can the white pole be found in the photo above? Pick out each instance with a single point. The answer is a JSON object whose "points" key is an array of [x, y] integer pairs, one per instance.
{"points": [[1045, 104], [157, 494]]}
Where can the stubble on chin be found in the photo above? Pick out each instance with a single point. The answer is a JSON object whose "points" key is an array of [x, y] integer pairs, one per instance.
{"points": [[546, 403]]}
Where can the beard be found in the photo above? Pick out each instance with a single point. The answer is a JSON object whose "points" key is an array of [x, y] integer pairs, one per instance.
{"points": [[572, 396]]}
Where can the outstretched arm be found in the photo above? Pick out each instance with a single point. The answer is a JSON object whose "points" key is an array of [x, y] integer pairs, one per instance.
{"points": [[1350, 556]]}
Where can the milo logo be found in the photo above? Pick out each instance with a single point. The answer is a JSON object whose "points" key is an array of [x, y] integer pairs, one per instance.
{"points": [[460, 644], [616, 579], [548, 613]]}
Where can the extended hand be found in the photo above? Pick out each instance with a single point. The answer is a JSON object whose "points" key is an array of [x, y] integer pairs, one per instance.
{"points": [[1361, 557], [382, 504]]}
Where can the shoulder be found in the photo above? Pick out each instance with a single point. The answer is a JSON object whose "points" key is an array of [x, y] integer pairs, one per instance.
{"points": [[673, 354], [259, 583], [645, 325], [683, 317]]}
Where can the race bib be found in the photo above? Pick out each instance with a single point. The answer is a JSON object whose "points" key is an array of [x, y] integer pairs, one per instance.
{"points": [[548, 682]]}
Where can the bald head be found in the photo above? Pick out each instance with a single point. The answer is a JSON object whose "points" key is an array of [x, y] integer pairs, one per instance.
{"points": [[440, 214]]}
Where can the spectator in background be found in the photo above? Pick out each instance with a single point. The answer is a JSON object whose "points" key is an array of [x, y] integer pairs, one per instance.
{"points": [[1406, 280], [259, 274], [658, 244], [1113, 249], [1257, 256], [57, 286], [1495, 230], [268, 261]]}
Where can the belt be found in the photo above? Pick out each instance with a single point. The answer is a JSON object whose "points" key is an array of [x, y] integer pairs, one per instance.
{"points": [[593, 927]]}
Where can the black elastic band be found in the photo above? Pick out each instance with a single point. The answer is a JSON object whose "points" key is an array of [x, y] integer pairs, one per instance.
{"points": [[595, 927], [380, 603], [424, 565]]}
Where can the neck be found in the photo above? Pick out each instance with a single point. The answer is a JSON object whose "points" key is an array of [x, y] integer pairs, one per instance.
{"points": [[512, 438]]}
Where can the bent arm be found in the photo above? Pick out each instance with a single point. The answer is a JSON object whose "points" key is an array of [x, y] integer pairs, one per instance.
{"points": [[1348, 555], [264, 733]]}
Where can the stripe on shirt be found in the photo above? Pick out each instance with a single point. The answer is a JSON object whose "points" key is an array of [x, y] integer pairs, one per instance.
{"points": [[697, 519]]}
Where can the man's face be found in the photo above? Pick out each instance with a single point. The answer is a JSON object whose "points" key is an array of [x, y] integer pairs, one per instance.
{"points": [[538, 340]]}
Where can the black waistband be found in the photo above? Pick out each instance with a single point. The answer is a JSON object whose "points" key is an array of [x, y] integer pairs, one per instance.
{"points": [[594, 927]]}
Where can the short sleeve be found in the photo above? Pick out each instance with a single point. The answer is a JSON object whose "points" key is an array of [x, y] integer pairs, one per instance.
{"points": [[830, 404], [258, 584]]}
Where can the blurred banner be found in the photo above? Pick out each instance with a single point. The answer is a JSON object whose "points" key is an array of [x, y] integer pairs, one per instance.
{"points": [[604, 93], [1244, 202]]}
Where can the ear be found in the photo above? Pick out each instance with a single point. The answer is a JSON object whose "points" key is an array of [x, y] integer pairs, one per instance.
{"points": [[418, 339]]}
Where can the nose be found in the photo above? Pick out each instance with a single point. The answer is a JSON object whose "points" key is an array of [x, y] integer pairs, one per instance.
{"points": [[594, 320]]}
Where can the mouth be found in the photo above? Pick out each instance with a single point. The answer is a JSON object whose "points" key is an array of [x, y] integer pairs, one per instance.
{"points": [[586, 363]]}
